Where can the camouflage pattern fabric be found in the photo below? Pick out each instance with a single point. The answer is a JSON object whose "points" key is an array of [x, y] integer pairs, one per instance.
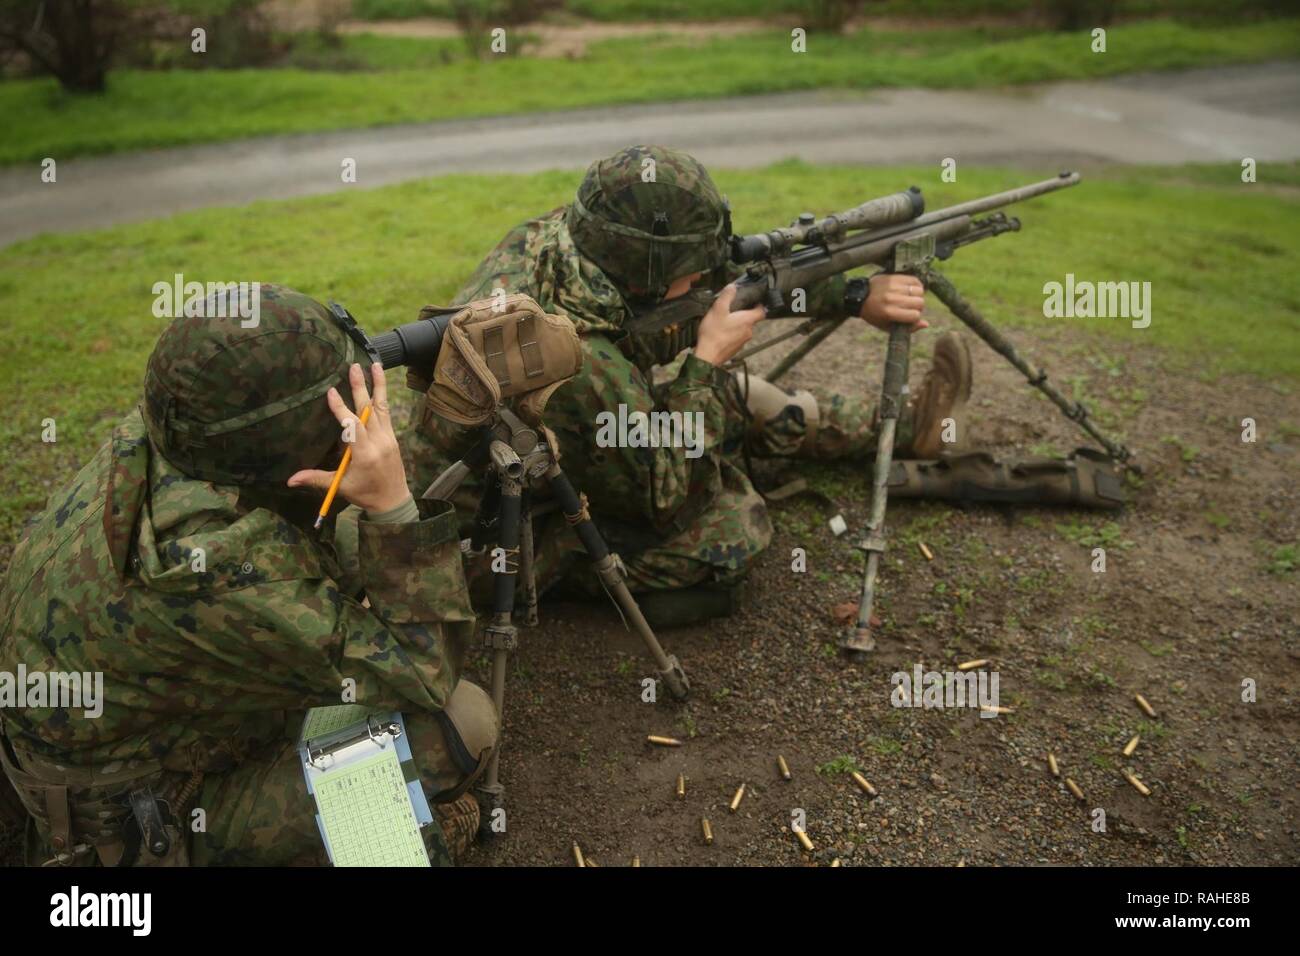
{"points": [[260, 814], [217, 401], [216, 622], [647, 215], [706, 520]]}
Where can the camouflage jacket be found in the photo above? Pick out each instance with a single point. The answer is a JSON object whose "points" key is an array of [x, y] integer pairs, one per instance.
{"points": [[658, 490], [205, 653]]}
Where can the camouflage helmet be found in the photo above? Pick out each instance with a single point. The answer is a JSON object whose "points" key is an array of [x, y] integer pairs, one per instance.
{"points": [[648, 215], [236, 405]]}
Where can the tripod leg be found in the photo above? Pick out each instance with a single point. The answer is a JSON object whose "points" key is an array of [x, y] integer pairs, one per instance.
{"points": [[797, 354], [610, 571], [859, 641], [947, 294], [527, 566], [500, 635]]}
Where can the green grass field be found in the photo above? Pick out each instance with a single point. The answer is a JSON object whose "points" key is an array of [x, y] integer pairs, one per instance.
{"points": [[631, 10], [79, 326], [406, 80]]}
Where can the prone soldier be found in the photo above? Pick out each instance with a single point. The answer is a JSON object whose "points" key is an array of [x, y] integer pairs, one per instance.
{"points": [[687, 526]]}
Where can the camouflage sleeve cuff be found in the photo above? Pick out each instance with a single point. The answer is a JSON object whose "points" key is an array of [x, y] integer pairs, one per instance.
{"points": [[826, 298], [412, 571], [406, 511], [697, 371]]}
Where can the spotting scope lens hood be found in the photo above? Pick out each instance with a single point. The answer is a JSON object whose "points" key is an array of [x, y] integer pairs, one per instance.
{"points": [[415, 342]]}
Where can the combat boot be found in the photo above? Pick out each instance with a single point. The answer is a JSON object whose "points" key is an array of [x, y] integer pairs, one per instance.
{"points": [[459, 822], [943, 394]]}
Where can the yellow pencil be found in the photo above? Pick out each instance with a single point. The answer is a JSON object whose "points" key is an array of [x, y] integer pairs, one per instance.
{"points": [[338, 475]]}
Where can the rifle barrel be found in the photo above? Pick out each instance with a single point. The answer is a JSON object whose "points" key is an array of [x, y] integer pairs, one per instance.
{"points": [[984, 204]]}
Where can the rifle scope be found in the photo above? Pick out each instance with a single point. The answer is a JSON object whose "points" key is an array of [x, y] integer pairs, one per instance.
{"points": [[808, 229]]}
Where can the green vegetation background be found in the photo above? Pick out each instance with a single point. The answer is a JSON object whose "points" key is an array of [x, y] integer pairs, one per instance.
{"points": [[78, 324], [371, 80]]}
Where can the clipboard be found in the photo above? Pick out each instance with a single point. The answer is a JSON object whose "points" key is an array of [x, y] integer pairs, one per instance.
{"points": [[370, 806]]}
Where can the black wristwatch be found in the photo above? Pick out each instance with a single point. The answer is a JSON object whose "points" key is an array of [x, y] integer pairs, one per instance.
{"points": [[855, 295]]}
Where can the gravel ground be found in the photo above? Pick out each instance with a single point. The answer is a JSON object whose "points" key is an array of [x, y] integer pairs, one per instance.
{"points": [[1185, 611]]}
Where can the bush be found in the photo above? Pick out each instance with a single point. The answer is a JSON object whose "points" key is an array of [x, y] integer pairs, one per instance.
{"points": [[831, 15], [477, 18], [1079, 14]]}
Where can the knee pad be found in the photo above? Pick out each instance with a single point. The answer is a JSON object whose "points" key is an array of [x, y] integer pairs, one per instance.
{"points": [[470, 727], [767, 402]]}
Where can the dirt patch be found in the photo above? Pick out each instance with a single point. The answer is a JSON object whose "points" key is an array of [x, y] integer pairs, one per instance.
{"points": [[569, 40], [1184, 612]]}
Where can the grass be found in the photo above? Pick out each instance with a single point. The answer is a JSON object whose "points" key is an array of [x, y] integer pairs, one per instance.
{"points": [[78, 325], [1285, 559], [841, 764], [404, 80], [1079, 532], [632, 10]]}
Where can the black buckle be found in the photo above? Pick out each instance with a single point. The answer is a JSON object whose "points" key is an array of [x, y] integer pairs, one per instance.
{"points": [[150, 821], [354, 331]]}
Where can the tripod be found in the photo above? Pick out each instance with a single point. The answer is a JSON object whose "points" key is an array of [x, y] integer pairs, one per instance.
{"points": [[859, 641], [515, 459]]}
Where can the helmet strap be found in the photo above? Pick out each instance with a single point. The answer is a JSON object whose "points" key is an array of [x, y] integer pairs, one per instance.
{"points": [[655, 266]]}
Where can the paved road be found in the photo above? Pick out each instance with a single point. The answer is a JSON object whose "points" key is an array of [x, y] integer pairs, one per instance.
{"points": [[1220, 114]]}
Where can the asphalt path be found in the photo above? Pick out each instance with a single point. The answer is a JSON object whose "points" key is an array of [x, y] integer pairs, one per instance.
{"points": [[1213, 115]]}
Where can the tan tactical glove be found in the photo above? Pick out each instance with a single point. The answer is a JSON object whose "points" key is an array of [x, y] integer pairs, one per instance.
{"points": [[496, 349]]}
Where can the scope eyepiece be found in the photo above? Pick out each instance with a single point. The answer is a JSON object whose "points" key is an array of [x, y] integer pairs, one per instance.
{"points": [[747, 248], [415, 343]]}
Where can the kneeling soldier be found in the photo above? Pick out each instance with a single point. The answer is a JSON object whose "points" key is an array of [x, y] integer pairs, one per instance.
{"points": [[181, 565]]}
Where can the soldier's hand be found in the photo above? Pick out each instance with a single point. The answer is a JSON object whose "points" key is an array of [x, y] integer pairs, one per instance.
{"points": [[723, 333], [375, 480], [895, 297]]}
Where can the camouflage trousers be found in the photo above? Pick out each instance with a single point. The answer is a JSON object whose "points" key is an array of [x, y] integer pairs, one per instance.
{"points": [[260, 813], [726, 537], [255, 810]]}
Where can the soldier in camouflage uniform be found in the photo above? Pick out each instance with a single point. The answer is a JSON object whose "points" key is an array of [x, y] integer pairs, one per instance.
{"points": [[645, 225], [180, 563]]}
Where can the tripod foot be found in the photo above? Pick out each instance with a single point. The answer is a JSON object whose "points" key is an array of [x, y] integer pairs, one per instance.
{"points": [[858, 644], [675, 679]]}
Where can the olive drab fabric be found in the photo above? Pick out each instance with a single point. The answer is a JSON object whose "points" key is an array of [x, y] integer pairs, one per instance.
{"points": [[215, 620], [675, 519]]}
